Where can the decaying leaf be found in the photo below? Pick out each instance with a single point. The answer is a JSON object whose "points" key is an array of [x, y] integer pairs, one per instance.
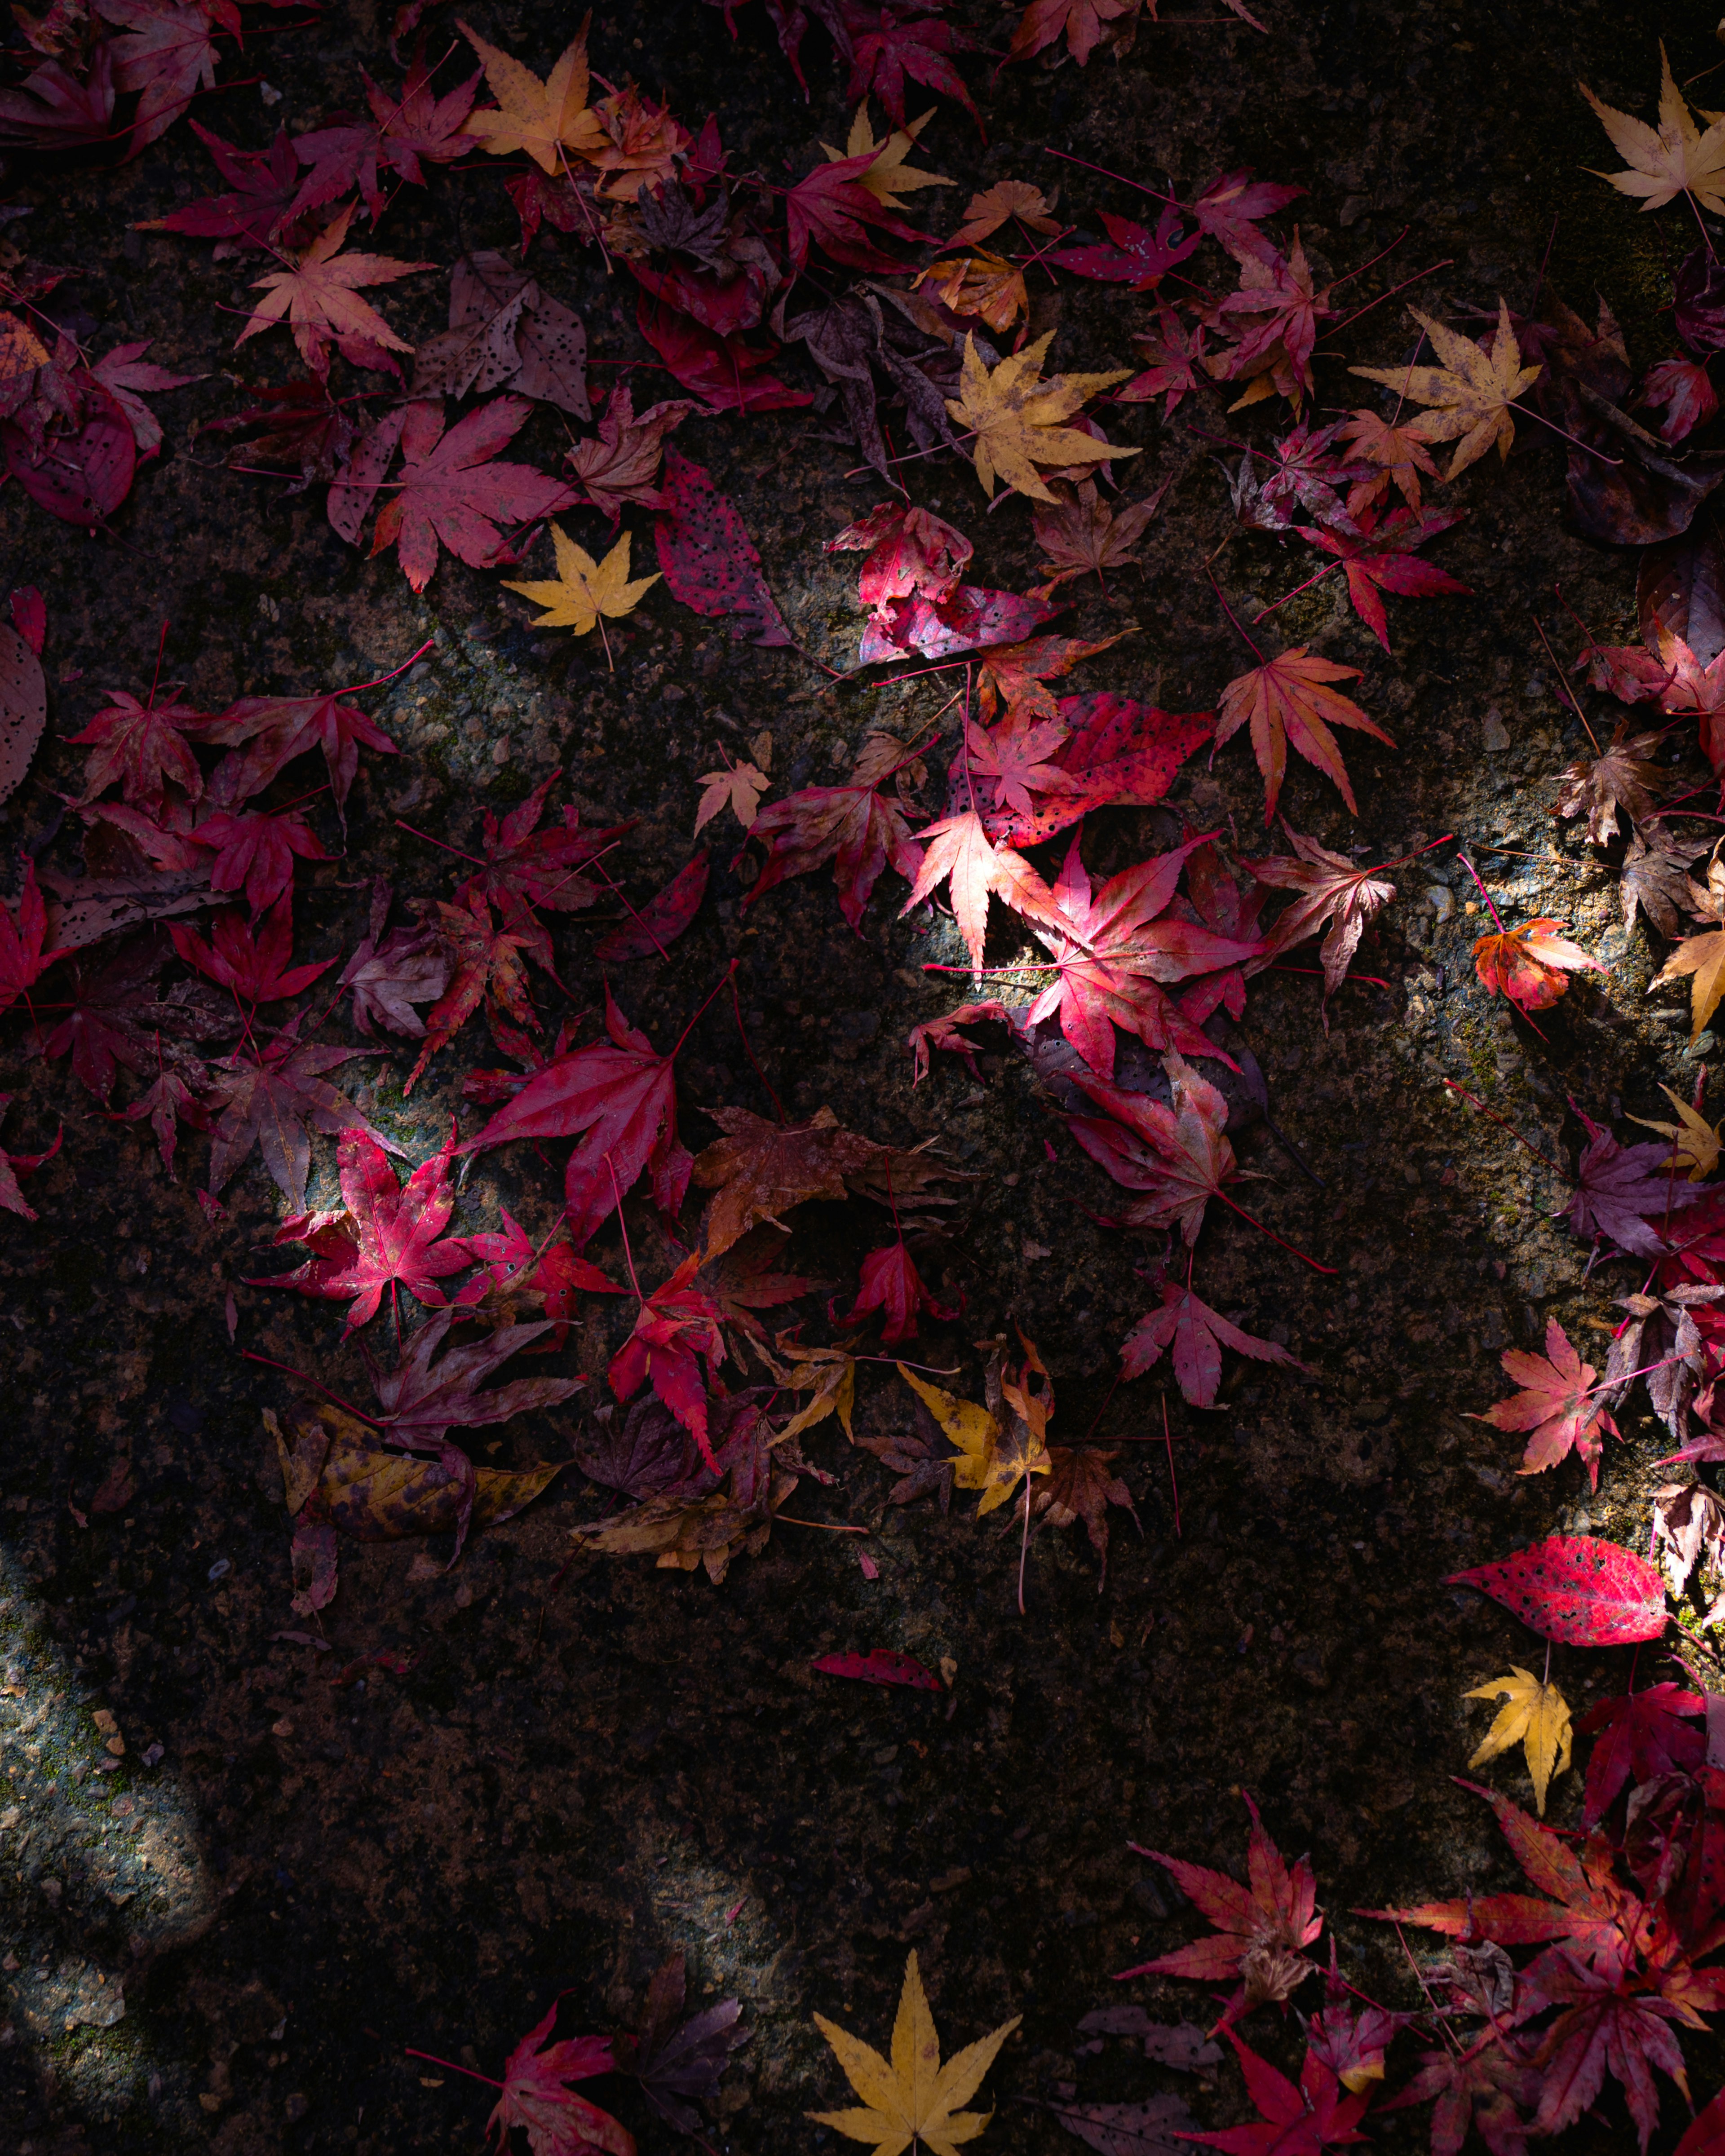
{"points": [[1622, 777], [1534, 1715], [1016, 418], [1470, 396], [1695, 1141], [1675, 159]]}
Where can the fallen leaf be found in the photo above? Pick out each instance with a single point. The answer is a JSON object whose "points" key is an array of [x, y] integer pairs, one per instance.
{"points": [[1639, 1736], [1561, 1404], [1330, 889], [1315, 2116], [1576, 1589], [913, 2097], [991, 208], [1530, 965], [1015, 417], [675, 2060], [1196, 1334], [1084, 25], [1675, 158], [621, 462], [879, 1666], [318, 296], [832, 209], [15, 1164], [1655, 877], [708, 559], [449, 488], [1289, 698], [1160, 2126], [1535, 1716], [1399, 451], [536, 2091], [265, 1093], [1469, 395], [1695, 1141], [23, 934], [1083, 534], [891, 1283], [891, 174], [1178, 1156], [1134, 256], [738, 788], [584, 589], [959, 848], [1081, 1485], [550, 120], [1619, 1186], [651, 931], [1622, 777], [984, 284]]}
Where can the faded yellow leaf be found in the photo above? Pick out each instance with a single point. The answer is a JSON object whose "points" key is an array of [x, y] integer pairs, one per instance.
{"points": [[549, 119], [889, 177], [1016, 418], [1672, 159], [740, 788], [972, 1429], [1535, 1716], [1471, 394], [910, 2096], [1695, 1144], [1701, 958], [584, 588]]}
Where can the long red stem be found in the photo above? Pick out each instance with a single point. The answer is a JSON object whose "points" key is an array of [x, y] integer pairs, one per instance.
{"points": [[1273, 1236]]}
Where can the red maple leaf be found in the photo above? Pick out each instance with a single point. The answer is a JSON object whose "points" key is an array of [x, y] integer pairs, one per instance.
{"points": [[858, 827], [15, 1164], [256, 851], [511, 1264], [123, 372], [171, 1098], [1230, 208], [959, 848], [273, 730], [1287, 699], [1589, 1905], [1330, 889], [1578, 1588], [109, 1018], [1197, 1335], [448, 490], [678, 1323], [421, 1399], [1179, 1157], [165, 53], [1112, 948], [1292, 2121], [1378, 557], [1561, 1404], [485, 966], [142, 748], [1480, 2087], [892, 1284], [23, 934], [536, 2094], [973, 618], [1261, 1928], [1604, 2022], [725, 372], [830, 208], [54, 110], [912, 553], [261, 187], [1134, 255], [619, 1097], [266, 1095], [254, 967], [349, 151], [1111, 752], [1175, 354], [388, 1236], [1646, 1734], [651, 929], [1281, 308], [1619, 1186], [889, 49], [1231, 909], [525, 867]]}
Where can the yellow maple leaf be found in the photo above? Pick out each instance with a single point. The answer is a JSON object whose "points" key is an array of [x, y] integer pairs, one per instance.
{"points": [[912, 2096], [548, 120], [1535, 1716], [1672, 159], [1015, 417], [584, 588], [1695, 1144], [889, 177], [1702, 959], [972, 1429], [1471, 393]]}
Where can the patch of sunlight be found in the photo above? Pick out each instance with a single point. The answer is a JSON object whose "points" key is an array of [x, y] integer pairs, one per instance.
{"points": [[726, 1929], [100, 1869]]}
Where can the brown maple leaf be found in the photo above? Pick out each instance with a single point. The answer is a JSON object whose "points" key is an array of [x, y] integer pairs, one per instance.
{"points": [[1330, 889], [759, 1170], [621, 462], [922, 1464], [984, 284], [1014, 674], [318, 296], [1289, 698], [1082, 533], [1399, 451], [1655, 877], [1080, 1485], [1621, 777], [1007, 198]]}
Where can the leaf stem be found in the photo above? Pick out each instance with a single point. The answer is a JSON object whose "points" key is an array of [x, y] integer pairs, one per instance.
{"points": [[1273, 1236]]}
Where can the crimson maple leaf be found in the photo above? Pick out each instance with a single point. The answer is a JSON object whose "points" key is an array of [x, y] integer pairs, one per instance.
{"points": [[418, 125], [1045, 772], [1562, 1405], [536, 2094], [1229, 208], [265, 1095], [261, 187], [141, 748], [1590, 1905], [1281, 308], [912, 553], [409, 967], [1134, 256], [892, 1284], [109, 1018], [1480, 2087], [15, 1164], [1178, 1156], [171, 1098], [1293, 2121], [123, 372], [449, 490], [1111, 951], [1261, 1928], [525, 867], [54, 110], [1645, 1734], [727, 373], [485, 965], [889, 49], [1175, 354], [271, 731], [1330, 889], [511, 1265], [830, 208], [858, 827], [1604, 2022], [678, 1322], [1289, 699], [23, 934], [619, 1097], [254, 967], [959, 848], [388, 1236], [318, 296], [1084, 24], [256, 851], [165, 53], [1378, 557], [1197, 1335]]}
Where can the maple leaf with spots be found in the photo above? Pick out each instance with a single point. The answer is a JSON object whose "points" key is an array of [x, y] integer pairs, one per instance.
{"points": [[959, 849], [1622, 777], [389, 1235], [450, 490], [1134, 256], [858, 827], [1178, 1156], [1330, 889], [1114, 948], [1291, 700], [142, 748], [318, 297], [1261, 1928], [1561, 1403]]}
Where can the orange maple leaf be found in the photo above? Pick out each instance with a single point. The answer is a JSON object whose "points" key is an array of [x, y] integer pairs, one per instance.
{"points": [[1529, 964], [1288, 699], [318, 297]]}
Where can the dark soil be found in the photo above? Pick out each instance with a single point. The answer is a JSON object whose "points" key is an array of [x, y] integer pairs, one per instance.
{"points": [[587, 1765]]}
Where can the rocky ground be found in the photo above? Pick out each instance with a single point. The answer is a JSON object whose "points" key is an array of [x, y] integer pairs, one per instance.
{"points": [[587, 1765]]}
